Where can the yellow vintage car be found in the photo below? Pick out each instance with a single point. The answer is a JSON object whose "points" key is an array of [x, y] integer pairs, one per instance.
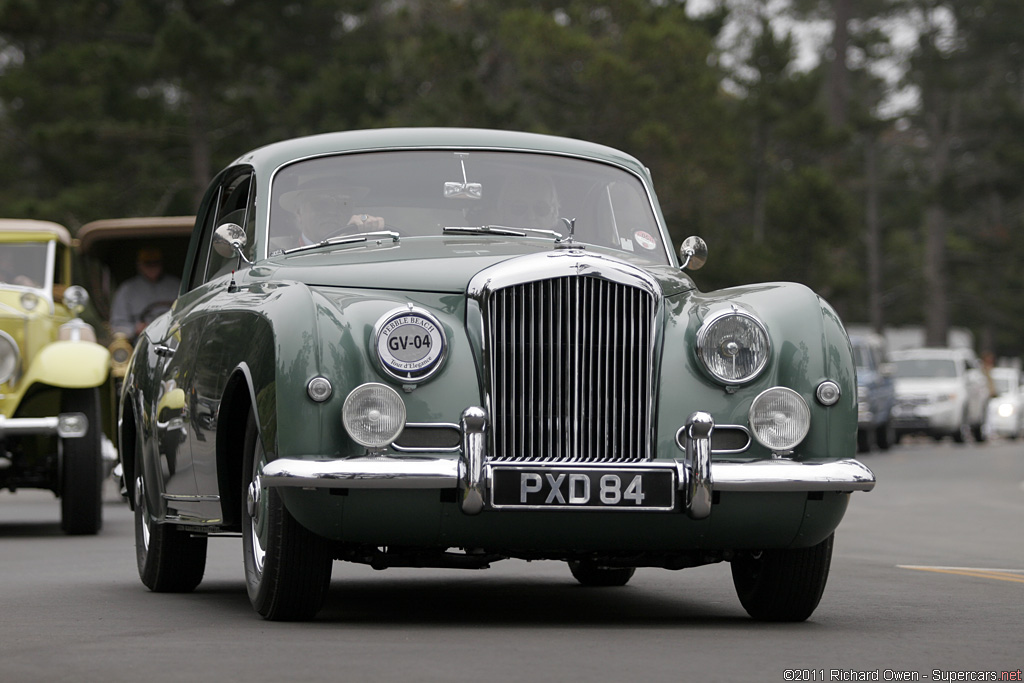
{"points": [[51, 371]]}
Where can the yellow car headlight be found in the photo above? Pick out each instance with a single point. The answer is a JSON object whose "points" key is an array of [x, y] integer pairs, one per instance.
{"points": [[10, 357]]}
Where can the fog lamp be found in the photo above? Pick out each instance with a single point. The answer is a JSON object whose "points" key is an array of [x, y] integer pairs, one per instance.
{"points": [[373, 415], [779, 419]]}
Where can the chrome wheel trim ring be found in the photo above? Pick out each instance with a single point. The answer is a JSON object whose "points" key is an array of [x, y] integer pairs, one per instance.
{"points": [[256, 505], [140, 505]]}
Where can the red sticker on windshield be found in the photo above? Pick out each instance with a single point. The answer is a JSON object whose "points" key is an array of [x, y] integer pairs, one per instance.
{"points": [[645, 240]]}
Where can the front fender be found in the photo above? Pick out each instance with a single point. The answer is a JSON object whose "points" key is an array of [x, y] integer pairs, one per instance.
{"points": [[69, 365], [808, 345]]}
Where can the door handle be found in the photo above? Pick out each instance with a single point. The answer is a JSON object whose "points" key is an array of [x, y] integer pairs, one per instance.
{"points": [[163, 350]]}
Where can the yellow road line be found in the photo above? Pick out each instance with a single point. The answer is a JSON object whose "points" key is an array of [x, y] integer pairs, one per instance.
{"points": [[1012, 575]]}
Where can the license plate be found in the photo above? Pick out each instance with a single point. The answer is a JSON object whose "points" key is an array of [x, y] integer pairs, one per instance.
{"points": [[583, 488]]}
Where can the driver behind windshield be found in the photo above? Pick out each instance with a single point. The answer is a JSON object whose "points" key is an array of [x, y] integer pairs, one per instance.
{"points": [[529, 201], [325, 209], [140, 299]]}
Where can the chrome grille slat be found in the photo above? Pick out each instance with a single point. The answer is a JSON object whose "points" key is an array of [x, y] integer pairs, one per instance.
{"points": [[570, 364]]}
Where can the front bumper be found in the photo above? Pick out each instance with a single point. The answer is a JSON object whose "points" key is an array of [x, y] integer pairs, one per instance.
{"points": [[65, 425], [696, 475]]}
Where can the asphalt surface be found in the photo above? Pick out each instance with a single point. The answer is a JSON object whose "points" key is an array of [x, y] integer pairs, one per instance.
{"points": [[927, 583]]}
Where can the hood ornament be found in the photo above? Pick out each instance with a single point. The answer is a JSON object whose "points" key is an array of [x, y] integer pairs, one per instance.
{"points": [[569, 241]]}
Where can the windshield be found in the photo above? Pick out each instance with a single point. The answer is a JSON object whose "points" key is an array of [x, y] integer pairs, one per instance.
{"points": [[925, 367], [508, 194], [23, 264], [1003, 384]]}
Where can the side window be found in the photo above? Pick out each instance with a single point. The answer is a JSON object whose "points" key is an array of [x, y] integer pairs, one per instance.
{"points": [[198, 274], [229, 205], [232, 210]]}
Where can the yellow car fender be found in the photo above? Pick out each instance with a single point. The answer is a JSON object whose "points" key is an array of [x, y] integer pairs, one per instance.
{"points": [[69, 364]]}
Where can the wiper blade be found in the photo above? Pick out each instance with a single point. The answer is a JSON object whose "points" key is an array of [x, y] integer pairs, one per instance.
{"points": [[345, 239], [504, 230]]}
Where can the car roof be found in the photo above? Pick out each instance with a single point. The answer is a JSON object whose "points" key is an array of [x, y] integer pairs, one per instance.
{"points": [[933, 353], [32, 230], [279, 153], [99, 236]]}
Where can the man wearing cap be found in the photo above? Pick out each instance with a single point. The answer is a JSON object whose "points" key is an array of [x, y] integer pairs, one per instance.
{"points": [[143, 297]]}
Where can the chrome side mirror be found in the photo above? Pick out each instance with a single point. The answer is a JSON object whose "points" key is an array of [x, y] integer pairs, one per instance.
{"points": [[229, 240], [693, 253]]}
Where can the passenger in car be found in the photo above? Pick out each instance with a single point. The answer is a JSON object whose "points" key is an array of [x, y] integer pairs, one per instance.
{"points": [[324, 209], [140, 299]]}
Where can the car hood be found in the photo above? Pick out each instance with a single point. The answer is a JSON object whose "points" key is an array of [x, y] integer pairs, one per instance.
{"points": [[436, 264]]}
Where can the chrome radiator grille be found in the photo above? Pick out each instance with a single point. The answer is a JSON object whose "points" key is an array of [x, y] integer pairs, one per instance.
{"points": [[571, 370]]}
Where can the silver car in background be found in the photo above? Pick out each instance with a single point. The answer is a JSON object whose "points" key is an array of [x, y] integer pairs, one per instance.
{"points": [[940, 392]]}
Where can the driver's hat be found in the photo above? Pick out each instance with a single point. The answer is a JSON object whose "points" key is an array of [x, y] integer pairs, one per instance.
{"points": [[150, 255]]}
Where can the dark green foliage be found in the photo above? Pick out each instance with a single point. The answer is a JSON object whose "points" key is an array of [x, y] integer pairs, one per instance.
{"points": [[127, 107]]}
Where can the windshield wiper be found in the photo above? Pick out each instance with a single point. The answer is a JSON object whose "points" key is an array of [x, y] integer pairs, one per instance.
{"points": [[345, 239], [504, 230]]}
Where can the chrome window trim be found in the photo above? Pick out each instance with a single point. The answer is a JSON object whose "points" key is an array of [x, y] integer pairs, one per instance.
{"points": [[263, 231]]}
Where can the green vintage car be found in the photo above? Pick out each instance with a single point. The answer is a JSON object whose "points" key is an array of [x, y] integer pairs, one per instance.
{"points": [[449, 347], [51, 371]]}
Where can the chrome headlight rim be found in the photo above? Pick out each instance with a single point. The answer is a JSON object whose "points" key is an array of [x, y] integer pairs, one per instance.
{"points": [[768, 437], [707, 328], [10, 359], [373, 415], [415, 368]]}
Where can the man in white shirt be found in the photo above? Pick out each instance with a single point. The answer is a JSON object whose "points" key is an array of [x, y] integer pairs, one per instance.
{"points": [[143, 297]]}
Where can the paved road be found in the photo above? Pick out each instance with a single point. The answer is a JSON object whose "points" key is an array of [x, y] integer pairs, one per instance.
{"points": [[927, 578]]}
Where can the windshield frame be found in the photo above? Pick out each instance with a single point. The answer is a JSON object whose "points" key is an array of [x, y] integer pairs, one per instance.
{"points": [[660, 254], [49, 266]]}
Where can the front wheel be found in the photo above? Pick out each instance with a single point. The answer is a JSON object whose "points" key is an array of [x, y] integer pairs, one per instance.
{"points": [[81, 476], [885, 437], [287, 567], [782, 585], [169, 560], [593, 574]]}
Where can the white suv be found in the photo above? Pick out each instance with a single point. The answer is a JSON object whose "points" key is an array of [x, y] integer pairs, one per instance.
{"points": [[941, 392]]}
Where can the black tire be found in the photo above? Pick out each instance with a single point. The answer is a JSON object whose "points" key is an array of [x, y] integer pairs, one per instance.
{"points": [[978, 432], [169, 560], [287, 567], [885, 436], [590, 573], [863, 441], [782, 585], [81, 476], [962, 432]]}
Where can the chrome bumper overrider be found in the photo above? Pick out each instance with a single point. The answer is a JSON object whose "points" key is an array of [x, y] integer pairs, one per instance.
{"points": [[697, 475]]}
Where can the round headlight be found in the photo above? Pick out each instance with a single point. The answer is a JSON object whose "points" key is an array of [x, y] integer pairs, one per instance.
{"points": [[410, 344], [779, 419], [29, 301], [733, 346], [10, 357], [373, 415]]}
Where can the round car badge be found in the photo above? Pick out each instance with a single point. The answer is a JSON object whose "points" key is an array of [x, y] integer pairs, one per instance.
{"points": [[410, 344], [645, 240]]}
